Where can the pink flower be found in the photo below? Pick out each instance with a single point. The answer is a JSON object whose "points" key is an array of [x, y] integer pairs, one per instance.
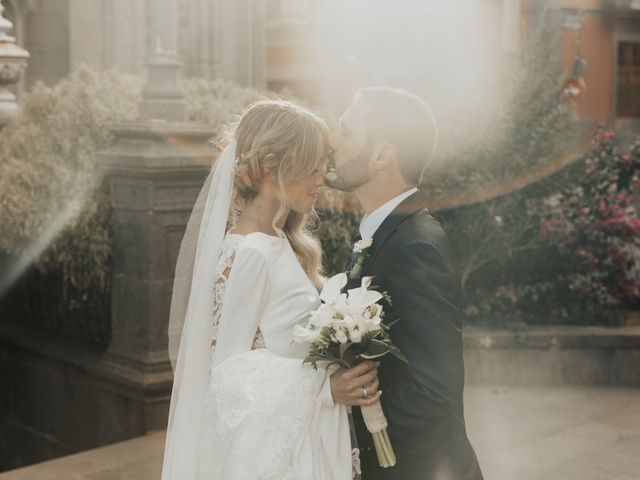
{"points": [[626, 158]]}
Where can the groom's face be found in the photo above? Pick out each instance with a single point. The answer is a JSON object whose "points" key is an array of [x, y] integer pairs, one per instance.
{"points": [[351, 151]]}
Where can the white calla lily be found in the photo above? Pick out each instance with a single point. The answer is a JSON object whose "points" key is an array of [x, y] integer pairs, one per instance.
{"points": [[333, 287], [362, 298]]}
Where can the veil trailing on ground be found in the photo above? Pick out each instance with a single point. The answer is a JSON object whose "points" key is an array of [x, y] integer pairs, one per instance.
{"points": [[191, 316]]}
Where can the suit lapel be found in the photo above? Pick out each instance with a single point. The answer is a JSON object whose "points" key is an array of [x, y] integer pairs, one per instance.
{"points": [[408, 207]]}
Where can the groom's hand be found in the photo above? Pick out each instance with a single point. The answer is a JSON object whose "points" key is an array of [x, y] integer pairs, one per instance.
{"points": [[348, 384]]}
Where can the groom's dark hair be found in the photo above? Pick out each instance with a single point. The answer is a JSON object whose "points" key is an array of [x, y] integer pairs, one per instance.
{"points": [[405, 120]]}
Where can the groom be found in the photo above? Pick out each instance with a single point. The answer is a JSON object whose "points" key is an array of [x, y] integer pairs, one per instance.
{"points": [[379, 153]]}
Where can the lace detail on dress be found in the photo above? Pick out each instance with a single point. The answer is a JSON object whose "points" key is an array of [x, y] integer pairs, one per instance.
{"points": [[225, 261], [255, 412]]}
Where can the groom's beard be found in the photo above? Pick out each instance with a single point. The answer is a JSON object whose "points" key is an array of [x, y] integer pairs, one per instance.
{"points": [[354, 173]]}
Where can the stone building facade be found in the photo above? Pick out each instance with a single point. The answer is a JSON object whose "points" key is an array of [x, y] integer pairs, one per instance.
{"points": [[217, 38], [307, 46]]}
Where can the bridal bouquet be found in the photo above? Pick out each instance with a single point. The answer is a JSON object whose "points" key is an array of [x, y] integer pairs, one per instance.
{"points": [[352, 321]]}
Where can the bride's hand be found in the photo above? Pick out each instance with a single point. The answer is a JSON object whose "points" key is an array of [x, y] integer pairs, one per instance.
{"points": [[349, 385]]}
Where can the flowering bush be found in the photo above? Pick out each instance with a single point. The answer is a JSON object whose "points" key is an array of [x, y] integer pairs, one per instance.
{"points": [[593, 228], [576, 257]]}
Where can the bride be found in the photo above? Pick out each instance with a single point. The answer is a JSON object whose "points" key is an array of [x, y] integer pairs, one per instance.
{"points": [[243, 405]]}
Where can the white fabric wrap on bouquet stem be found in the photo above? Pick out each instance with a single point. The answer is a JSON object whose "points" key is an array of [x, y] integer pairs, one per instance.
{"points": [[374, 418]]}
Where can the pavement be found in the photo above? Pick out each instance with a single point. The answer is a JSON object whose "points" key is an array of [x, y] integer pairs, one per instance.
{"points": [[562, 433], [519, 433]]}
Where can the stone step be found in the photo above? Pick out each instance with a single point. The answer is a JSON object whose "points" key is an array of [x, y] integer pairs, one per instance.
{"points": [[139, 459], [523, 433]]}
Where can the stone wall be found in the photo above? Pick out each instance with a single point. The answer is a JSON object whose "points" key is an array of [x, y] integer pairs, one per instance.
{"points": [[554, 356], [56, 398]]}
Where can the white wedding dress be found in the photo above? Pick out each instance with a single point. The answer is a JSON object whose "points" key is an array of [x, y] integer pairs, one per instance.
{"points": [[267, 416]]}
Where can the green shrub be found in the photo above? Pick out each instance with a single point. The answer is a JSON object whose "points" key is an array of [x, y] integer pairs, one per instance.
{"points": [[53, 207], [216, 102]]}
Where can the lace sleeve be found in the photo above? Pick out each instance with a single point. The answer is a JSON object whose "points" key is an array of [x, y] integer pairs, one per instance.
{"points": [[240, 295]]}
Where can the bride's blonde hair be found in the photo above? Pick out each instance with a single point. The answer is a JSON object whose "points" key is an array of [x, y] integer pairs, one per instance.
{"points": [[286, 140]]}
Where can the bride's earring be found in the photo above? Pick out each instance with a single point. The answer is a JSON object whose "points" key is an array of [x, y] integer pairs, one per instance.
{"points": [[331, 176]]}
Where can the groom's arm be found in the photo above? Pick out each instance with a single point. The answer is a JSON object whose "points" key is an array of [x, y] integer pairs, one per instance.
{"points": [[425, 293]]}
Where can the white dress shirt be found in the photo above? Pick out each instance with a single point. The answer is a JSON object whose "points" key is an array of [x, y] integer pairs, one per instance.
{"points": [[372, 221]]}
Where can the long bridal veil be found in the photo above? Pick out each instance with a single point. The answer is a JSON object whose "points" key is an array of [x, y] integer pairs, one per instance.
{"points": [[264, 415], [191, 316]]}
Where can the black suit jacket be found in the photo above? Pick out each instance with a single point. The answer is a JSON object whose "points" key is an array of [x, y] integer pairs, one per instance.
{"points": [[411, 259]]}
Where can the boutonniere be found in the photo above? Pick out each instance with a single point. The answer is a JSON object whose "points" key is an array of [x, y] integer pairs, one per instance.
{"points": [[362, 244], [359, 250]]}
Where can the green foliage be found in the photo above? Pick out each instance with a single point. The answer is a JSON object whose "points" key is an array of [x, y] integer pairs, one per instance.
{"points": [[216, 102], [52, 203], [336, 231]]}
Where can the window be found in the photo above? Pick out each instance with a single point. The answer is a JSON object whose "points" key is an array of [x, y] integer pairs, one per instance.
{"points": [[628, 79]]}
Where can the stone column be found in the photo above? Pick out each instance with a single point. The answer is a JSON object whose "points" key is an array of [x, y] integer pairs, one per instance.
{"points": [[155, 170], [13, 61], [155, 173], [162, 96]]}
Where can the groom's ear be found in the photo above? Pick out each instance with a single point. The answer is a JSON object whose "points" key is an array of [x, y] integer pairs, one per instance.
{"points": [[383, 155]]}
